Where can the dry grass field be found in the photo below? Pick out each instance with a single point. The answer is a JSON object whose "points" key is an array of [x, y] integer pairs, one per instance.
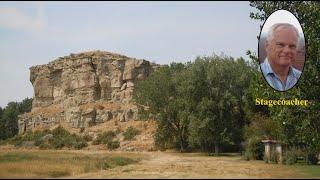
{"points": [[32, 163], [59, 163]]}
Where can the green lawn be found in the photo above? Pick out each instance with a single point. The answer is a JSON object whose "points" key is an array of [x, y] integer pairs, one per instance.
{"points": [[306, 171]]}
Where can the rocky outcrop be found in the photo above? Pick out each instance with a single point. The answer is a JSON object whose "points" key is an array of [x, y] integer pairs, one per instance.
{"points": [[84, 89]]}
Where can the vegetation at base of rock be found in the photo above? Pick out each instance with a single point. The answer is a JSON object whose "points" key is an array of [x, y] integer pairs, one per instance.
{"points": [[104, 138], [130, 133], [56, 139], [107, 138], [113, 144], [87, 137]]}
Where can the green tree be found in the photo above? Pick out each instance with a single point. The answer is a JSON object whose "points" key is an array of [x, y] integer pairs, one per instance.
{"points": [[10, 120], [1, 111], [159, 96], [25, 105], [197, 105], [9, 117], [2, 127], [220, 91]]}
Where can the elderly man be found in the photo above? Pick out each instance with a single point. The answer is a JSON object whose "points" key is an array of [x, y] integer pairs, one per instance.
{"points": [[281, 48]]}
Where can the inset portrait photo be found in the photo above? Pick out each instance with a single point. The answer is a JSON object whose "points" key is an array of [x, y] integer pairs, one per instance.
{"points": [[281, 50]]}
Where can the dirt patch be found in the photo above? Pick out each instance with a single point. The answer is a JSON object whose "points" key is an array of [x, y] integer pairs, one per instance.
{"points": [[107, 105], [49, 111]]}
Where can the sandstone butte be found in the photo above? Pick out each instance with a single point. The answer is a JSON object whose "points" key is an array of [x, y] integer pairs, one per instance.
{"points": [[83, 90]]}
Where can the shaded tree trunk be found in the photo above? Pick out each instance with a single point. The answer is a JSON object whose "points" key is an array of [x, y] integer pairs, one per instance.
{"points": [[216, 147]]}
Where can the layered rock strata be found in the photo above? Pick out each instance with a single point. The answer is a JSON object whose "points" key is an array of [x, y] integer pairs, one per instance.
{"points": [[84, 89]]}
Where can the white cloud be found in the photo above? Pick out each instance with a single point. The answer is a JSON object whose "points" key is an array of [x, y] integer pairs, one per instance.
{"points": [[14, 18]]}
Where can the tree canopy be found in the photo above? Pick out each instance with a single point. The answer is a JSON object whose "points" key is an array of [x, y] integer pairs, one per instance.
{"points": [[198, 104], [9, 117]]}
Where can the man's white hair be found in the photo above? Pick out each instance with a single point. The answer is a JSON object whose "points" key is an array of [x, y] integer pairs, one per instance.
{"points": [[276, 26]]}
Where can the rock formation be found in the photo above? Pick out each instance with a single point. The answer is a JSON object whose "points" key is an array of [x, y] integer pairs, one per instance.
{"points": [[84, 89]]}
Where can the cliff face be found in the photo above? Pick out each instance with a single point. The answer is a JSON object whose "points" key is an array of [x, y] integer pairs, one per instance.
{"points": [[84, 89]]}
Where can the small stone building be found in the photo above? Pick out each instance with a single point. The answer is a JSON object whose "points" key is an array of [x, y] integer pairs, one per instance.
{"points": [[273, 148]]}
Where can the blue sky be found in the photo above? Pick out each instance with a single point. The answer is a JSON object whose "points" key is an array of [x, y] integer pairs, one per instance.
{"points": [[33, 33]]}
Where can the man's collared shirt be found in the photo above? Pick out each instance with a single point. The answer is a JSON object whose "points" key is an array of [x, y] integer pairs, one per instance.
{"points": [[274, 80]]}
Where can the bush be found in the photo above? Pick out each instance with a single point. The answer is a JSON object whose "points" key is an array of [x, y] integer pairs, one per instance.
{"points": [[290, 157], [122, 161], [113, 145], [87, 137], [59, 138], [254, 149], [130, 133], [311, 158], [18, 142], [95, 142], [111, 162], [57, 143], [60, 132], [82, 129], [104, 138], [248, 155], [44, 146], [80, 145]]}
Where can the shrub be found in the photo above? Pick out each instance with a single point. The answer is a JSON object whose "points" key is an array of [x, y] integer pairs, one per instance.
{"points": [[87, 137], [290, 157], [95, 142], [122, 161], [57, 143], [104, 138], [38, 142], [80, 145], [44, 146], [82, 129], [62, 138], [311, 158], [274, 156], [248, 155], [113, 145], [130, 133], [254, 149], [18, 142], [60, 131], [59, 138]]}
